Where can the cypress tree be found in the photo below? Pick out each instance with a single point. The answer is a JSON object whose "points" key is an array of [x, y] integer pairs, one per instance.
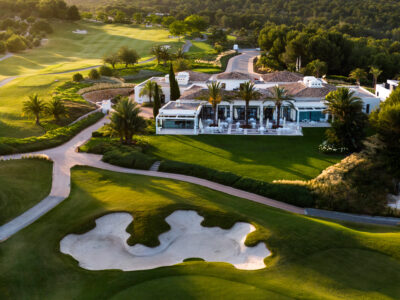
{"points": [[173, 84], [157, 101]]}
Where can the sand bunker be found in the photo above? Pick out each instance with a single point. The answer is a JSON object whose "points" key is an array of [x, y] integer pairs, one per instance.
{"points": [[77, 31], [105, 246]]}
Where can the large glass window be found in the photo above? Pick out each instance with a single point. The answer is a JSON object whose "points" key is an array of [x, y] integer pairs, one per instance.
{"points": [[178, 124], [311, 116]]}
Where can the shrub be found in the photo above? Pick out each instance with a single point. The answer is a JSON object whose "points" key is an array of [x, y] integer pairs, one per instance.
{"points": [[128, 158], [105, 71], [357, 184], [50, 139], [94, 74], [16, 43], [290, 193], [181, 64], [77, 77], [41, 26]]}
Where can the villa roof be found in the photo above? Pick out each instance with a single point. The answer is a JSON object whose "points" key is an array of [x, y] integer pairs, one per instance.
{"points": [[177, 105], [234, 76], [197, 76], [300, 90], [282, 76]]}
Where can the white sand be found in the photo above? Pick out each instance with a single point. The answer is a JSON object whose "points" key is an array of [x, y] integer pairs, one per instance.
{"points": [[80, 31], [105, 246]]}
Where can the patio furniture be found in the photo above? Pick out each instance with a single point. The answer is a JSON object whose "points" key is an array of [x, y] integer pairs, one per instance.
{"points": [[238, 124], [229, 120], [239, 129], [253, 125], [261, 129]]}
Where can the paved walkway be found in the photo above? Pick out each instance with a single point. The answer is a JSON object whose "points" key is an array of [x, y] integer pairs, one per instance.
{"points": [[65, 157]]}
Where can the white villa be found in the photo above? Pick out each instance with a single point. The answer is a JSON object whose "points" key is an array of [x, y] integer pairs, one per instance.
{"points": [[192, 114], [384, 90]]}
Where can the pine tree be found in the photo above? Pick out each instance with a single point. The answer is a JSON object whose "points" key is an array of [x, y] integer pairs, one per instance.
{"points": [[175, 92]]}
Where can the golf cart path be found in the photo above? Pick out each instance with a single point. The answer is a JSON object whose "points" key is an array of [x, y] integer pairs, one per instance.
{"points": [[186, 48], [64, 157]]}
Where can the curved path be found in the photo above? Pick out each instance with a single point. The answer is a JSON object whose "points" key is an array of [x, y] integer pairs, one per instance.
{"points": [[64, 157]]}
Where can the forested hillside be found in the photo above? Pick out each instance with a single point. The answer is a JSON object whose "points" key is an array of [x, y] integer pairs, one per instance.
{"points": [[368, 17]]}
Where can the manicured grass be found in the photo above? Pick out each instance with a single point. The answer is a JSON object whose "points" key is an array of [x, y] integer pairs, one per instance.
{"points": [[311, 258], [13, 95], [23, 184], [68, 51], [264, 158]]}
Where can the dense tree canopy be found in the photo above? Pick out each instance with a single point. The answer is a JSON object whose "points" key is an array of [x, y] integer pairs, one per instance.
{"points": [[356, 17]]}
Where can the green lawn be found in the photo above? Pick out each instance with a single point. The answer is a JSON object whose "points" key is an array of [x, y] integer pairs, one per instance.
{"points": [[311, 258], [68, 51], [23, 183], [12, 96], [265, 158]]}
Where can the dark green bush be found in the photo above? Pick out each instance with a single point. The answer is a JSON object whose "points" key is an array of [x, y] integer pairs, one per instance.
{"points": [[128, 159], [94, 74], [77, 77], [50, 139], [293, 194], [105, 71]]}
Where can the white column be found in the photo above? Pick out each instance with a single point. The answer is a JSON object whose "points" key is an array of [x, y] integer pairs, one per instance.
{"points": [[261, 114], [298, 117], [195, 125], [231, 112]]}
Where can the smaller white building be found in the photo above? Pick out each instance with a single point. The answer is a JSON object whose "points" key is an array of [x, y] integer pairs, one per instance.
{"points": [[177, 117], [384, 90]]}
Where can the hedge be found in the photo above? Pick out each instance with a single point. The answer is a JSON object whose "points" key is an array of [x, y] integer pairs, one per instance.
{"points": [[50, 139], [288, 193], [128, 159]]}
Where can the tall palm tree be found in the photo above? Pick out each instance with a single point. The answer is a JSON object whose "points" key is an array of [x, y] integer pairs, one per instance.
{"points": [[247, 92], [214, 97], [280, 97], [34, 107], [342, 104], [358, 74], [348, 125], [56, 108], [376, 72], [126, 121], [157, 52]]}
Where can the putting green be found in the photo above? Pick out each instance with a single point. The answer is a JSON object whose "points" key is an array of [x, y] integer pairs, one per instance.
{"points": [[311, 259]]}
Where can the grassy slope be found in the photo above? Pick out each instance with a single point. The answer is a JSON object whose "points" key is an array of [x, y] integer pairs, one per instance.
{"points": [[68, 51], [23, 184], [12, 96], [266, 158], [311, 258], [64, 51]]}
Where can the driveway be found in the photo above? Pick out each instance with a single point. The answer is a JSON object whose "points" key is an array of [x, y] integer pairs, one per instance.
{"points": [[242, 63]]}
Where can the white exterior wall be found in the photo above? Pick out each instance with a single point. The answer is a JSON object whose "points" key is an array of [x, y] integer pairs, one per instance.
{"points": [[373, 103], [231, 84], [382, 92]]}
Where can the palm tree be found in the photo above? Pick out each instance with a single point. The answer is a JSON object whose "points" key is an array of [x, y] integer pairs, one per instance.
{"points": [[358, 74], [165, 55], [180, 53], [157, 52], [348, 124], [375, 73], [342, 104], [56, 108], [280, 97], [318, 67], [126, 120], [247, 92], [214, 97], [34, 107], [147, 90]]}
